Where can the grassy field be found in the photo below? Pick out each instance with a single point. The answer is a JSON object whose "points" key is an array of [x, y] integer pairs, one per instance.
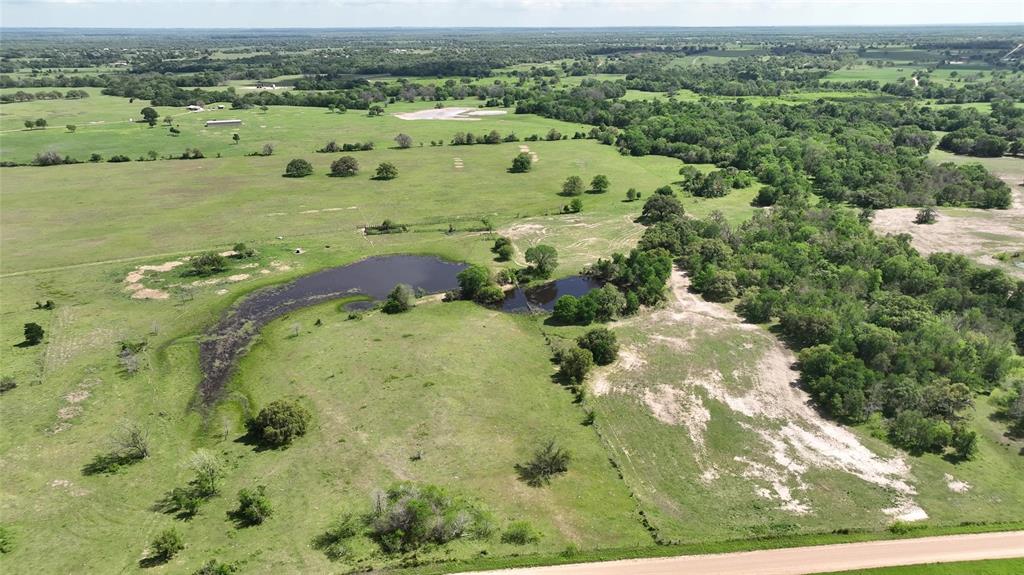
{"points": [[993, 567], [468, 387]]}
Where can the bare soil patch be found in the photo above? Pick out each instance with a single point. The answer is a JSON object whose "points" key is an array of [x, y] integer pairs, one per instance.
{"points": [[761, 391], [452, 113], [978, 234]]}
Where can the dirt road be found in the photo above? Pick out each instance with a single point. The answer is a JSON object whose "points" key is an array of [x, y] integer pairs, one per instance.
{"points": [[804, 560]]}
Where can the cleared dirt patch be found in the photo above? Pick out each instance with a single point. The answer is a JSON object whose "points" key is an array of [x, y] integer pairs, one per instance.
{"points": [[978, 234], [791, 442], [453, 113]]}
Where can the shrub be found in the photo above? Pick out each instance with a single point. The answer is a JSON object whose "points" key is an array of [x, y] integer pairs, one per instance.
{"points": [[607, 302], [267, 150], [344, 166], [547, 462], [7, 383], [209, 472], [519, 533], [408, 516], [330, 148], [6, 540], [574, 364], [214, 567], [334, 541], [280, 422], [243, 251], [503, 249], [490, 295], [34, 333], [632, 195], [401, 299], [166, 544], [565, 310], [601, 343], [208, 263], [403, 140], [926, 215], [599, 184], [119, 158], [521, 163], [386, 171], [298, 168], [253, 506]]}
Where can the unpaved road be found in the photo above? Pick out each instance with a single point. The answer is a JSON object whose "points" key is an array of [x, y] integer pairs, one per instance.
{"points": [[804, 560]]}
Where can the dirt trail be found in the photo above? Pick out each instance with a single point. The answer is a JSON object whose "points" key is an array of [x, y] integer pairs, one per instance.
{"points": [[794, 437], [805, 560]]}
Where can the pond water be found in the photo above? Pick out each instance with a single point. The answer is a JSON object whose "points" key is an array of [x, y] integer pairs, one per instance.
{"points": [[373, 277], [543, 297]]}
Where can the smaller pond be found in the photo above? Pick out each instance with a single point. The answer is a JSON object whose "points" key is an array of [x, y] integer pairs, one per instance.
{"points": [[543, 297]]}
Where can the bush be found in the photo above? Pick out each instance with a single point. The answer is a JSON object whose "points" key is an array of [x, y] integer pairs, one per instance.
{"points": [[547, 462], [344, 166], [166, 545], [209, 472], [243, 251], [409, 516], [214, 567], [490, 295], [565, 310], [521, 163], [7, 383], [574, 364], [601, 343], [6, 540], [119, 158], [334, 541], [253, 506], [280, 422], [298, 168], [599, 184], [503, 248], [926, 215], [386, 171], [660, 208], [208, 263], [519, 533], [404, 141], [401, 299], [34, 333]]}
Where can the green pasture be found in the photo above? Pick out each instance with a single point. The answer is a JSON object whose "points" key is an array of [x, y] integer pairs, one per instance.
{"points": [[991, 567]]}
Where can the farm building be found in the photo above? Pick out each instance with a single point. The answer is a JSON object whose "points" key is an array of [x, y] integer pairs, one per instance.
{"points": [[215, 123], [194, 108]]}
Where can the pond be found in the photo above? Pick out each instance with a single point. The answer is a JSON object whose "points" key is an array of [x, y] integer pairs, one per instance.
{"points": [[374, 277], [543, 297]]}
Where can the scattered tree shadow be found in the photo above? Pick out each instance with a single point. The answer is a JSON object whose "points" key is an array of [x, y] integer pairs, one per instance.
{"points": [[251, 439], [239, 520], [108, 464], [152, 561], [26, 343]]}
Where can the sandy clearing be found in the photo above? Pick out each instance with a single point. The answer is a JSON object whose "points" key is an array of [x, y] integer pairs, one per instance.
{"points": [[955, 485], [978, 234], [452, 113], [805, 560], [794, 438]]}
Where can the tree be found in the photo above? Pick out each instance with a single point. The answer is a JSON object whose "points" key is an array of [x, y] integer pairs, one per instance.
{"points": [[344, 166], [131, 443], [40, 123], [280, 422], [298, 168], [253, 506], [490, 294], [401, 299], [71, 128], [521, 163], [472, 280], [386, 171], [166, 545], [574, 364], [575, 206], [150, 115], [33, 333], [268, 150], [544, 259], [29, 124], [404, 141], [573, 186], [236, 138], [660, 208], [608, 302], [375, 110], [631, 195], [503, 249], [599, 184], [547, 462], [209, 471], [601, 343]]}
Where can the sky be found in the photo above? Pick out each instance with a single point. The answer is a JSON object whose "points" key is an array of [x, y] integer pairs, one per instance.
{"points": [[499, 13]]}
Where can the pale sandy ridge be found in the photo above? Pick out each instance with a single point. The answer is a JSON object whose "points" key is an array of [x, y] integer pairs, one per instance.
{"points": [[806, 560]]}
